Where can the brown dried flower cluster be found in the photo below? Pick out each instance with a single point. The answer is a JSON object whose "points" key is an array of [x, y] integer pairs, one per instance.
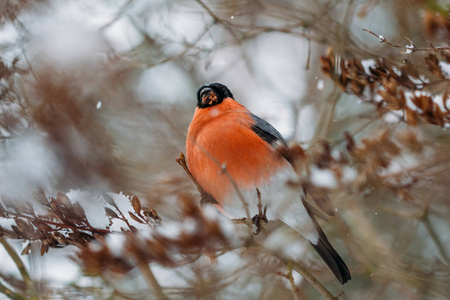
{"points": [[392, 83], [202, 236], [65, 222]]}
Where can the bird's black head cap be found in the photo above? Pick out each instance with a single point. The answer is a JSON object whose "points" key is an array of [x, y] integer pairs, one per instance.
{"points": [[212, 94]]}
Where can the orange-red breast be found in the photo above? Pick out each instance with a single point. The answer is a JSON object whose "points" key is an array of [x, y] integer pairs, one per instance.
{"points": [[231, 152]]}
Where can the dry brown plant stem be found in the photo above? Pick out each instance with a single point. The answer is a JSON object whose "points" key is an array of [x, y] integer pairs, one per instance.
{"points": [[22, 269], [148, 275]]}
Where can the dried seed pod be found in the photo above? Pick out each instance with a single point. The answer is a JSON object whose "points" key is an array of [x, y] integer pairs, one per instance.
{"points": [[136, 203]]}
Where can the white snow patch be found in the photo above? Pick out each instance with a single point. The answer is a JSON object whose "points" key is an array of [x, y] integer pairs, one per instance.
{"points": [[400, 164], [439, 100], [320, 84], [190, 226], [409, 95], [99, 104], [348, 174], [26, 163], [323, 177], [7, 223], [115, 243], [445, 67], [421, 77], [409, 49], [417, 81], [378, 98], [393, 116], [8, 34], [93, 205], [170, 230], [366, 63], [397, 71]]}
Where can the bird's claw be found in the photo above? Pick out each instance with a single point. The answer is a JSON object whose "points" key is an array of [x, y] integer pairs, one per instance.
{"points": [[258, 220]]}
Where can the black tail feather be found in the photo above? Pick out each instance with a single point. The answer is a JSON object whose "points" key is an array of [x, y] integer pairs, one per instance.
{"points": [[327, 252], [332, 259]]}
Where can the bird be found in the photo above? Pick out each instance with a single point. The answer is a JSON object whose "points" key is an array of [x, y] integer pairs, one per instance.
{"points": [[231, 153]]}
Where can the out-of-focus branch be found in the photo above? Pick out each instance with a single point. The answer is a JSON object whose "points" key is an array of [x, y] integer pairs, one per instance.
{"points": [[433, 235], [22, 269], [9, 293], [181, 160], [148, 275], [122, 11], [291, 281], [310, 278]]}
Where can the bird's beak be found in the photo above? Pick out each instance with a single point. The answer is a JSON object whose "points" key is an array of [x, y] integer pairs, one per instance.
{"points": [[209, 98]]}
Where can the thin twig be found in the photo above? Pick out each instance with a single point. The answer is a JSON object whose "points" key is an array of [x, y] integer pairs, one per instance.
{"points": [[291, 281], [310, 278], [308, 57], [240, 221], [181, 160], [22, 269], [409, 49]]}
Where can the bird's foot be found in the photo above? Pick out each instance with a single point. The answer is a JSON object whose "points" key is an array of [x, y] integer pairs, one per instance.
{"points": [[259, 219]]}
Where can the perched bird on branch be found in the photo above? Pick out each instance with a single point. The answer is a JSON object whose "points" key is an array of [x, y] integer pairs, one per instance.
{"points": [[231, 153]]}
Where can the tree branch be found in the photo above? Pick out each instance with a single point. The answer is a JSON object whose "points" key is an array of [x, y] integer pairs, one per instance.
{"points": [[22, 269], [409, 48], [9, 293]]}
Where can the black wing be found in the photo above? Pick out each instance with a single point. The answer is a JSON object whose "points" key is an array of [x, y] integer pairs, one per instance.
{"points": [[267, 132]]}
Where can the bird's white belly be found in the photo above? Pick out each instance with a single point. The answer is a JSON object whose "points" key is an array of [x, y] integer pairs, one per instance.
{"points": [[283, 203]]}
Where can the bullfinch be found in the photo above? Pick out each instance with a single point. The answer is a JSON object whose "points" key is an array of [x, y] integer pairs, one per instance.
{"points": [[231, 153]]}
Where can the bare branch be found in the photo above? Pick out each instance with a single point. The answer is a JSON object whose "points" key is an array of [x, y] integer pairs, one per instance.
{"points": [[408, 49]]}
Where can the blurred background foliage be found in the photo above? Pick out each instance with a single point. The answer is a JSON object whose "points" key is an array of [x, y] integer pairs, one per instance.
{"points": [[98, 96]]}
